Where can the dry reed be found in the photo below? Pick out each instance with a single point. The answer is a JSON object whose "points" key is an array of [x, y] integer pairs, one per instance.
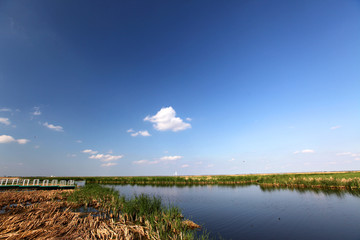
{"points": [[34, 215]]}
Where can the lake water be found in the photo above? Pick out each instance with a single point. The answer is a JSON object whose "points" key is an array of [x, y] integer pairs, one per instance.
{"points": [[252, 212]]}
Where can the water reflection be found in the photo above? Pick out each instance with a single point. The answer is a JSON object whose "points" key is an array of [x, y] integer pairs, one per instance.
{"points": [[338, 192], [251, 211]]}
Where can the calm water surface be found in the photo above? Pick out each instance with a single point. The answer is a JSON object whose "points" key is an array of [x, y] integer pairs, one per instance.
{"points": [[250, 212]]}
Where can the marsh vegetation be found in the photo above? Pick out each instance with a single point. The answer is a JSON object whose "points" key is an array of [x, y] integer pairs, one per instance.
{"points": [[92, 212], [332, 180]]}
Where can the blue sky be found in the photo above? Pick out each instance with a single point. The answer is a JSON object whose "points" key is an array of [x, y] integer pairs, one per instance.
{"points": [[197, 87]]}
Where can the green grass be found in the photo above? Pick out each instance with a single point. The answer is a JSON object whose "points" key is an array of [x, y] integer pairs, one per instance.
{"points": [[163, 222]]}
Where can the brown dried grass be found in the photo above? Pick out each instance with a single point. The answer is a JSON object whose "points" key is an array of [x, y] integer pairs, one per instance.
{"points": [[49, 217]]}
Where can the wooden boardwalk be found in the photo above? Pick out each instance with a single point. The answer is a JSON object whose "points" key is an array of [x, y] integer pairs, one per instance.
{"points": [[35, 184]]}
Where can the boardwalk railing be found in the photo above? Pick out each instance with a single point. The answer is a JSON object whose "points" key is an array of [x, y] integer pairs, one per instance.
{"points": [[18, 182]]}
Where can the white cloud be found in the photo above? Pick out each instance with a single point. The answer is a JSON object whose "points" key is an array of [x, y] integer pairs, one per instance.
{"points": [[36, 112], [53, 127], [141, 133], [78, 141], [343, 154], [232, 159], [335, 127], [106, 157], [5, 110], [9, 139], [6, 139], [23, 141], [210, 165], [164, 159], [357, 159], [89, 151], [188, 119], [141, 162], [185, 165], [5, 121], [305, 151], [165, 120], [130, 130], [170, 158], [108, 164]]}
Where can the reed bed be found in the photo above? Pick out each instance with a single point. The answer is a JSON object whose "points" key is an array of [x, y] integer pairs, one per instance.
{"points": [[55, 215], [334, 180]]}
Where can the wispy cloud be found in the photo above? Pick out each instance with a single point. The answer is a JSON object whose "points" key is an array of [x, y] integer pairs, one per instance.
{"points": [[22, 141], [89, 151], [166, 120], [141, 133], [5, 121], [109, 164], [185, 165], [164, 159], [130, 130], [170, 158], [335, 127], [53, 127], [343, 154], [106, 157], [5, 110], [78, 141], [36, 112], [9, 139], [305, 151], [355, 156], [210, 165], [141, 162]]}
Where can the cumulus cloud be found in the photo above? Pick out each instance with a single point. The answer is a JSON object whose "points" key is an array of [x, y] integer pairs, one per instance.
{"points": [[89, 151], [106, 157], [36, 112], [335, 127], [108, 164], [6, 139], [170, 158], [53, 127], [9, 139], [304, 151], [141, 133], [5, 121], [166, 120]]}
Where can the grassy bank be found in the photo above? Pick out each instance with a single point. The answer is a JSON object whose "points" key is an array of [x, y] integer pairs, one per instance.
{"points": [[341, 180], [92, 212]]}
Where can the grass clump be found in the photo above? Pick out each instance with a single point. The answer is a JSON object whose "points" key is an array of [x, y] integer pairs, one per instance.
{"points": [[148, 211]]}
